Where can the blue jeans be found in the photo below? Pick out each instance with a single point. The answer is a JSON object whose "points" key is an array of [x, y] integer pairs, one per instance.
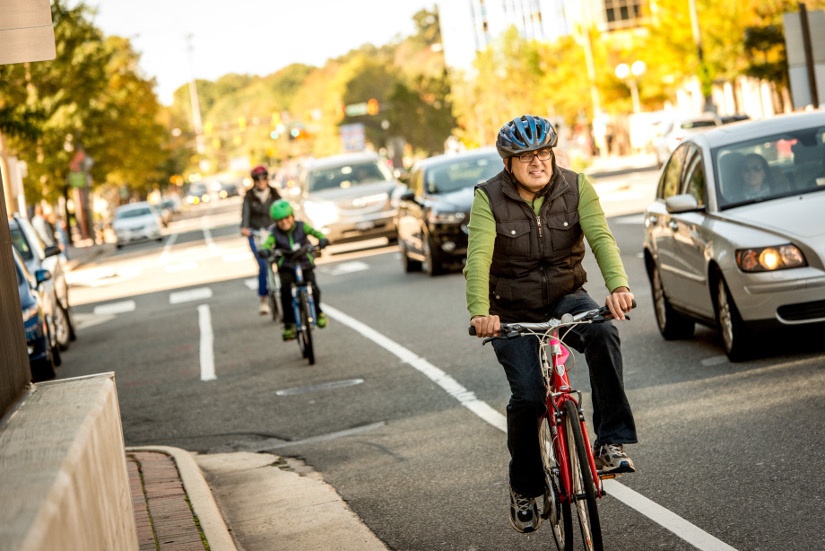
{"points": [[612, 419], [262, 268]]}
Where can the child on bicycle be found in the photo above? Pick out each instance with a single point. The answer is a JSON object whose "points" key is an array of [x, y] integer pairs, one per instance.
{"points": [[287, 235]]}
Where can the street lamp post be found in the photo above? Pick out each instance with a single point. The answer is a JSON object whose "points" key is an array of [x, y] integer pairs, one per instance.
{"points": [[629, 74]]}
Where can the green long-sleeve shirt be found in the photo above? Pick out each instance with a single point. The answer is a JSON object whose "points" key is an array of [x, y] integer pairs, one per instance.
{"points": [[482, 228]]}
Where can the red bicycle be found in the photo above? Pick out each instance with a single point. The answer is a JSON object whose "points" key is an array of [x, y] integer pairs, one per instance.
{"points": [[572, 480]]}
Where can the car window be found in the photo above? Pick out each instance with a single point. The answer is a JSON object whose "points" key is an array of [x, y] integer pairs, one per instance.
{"points": [[21, 244], [459, 175], [133, 213], [669, 184], [349, 175], [694, 175], [770, 167]]}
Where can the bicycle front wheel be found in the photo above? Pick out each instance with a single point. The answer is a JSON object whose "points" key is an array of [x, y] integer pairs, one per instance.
{"points": [[273, 294], [583, 487], [554, 511], [305, 334]]}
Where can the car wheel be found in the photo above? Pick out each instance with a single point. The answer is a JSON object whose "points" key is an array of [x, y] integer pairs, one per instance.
{"points": [[408, 263], [736, 338], [672, 325], [63, 330], [44, 369], [434, 261]]}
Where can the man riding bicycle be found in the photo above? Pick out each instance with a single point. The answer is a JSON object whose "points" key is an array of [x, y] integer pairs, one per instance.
{"points": [[524, 263], [288, 235]]}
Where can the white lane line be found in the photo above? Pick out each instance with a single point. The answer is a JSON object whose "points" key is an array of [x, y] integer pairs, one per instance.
{"points": [[189, 295], [115, 308], [453, 388], [207, 236], [207, 341], [655, 512], [167, 248]]}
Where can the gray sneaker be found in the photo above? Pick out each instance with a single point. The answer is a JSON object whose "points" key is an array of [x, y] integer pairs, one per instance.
{"points": [[612, 459], [524, 513]]}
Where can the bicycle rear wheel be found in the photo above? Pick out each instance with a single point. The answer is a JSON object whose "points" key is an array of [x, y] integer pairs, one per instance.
{"points": [[305, 329], [584, 489], [554, 511]]}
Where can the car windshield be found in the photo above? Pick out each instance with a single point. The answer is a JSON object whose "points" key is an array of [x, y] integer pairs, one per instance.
{"points": [[349, 175], [20, 243], [770, 167], [133, 213], [461, 174]]}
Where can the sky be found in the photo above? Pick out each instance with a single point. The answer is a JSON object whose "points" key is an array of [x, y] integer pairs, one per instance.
{"points": [[179, 39]]}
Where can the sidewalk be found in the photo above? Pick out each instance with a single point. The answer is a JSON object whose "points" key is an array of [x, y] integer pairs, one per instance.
{"points": [[237, 502]]}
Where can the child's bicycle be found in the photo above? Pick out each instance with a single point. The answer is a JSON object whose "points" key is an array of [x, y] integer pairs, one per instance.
{"points": [[273, 282], [572, 479], [303, 302]]}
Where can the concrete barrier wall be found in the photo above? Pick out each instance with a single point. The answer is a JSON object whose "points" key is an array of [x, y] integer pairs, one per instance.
{"points": [[63, 478]]}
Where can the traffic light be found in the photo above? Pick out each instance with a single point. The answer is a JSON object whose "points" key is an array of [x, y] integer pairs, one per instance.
{"points": [[373, 107]]}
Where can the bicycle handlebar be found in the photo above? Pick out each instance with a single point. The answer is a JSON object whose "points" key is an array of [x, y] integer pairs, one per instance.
{"points": [[511, 330]]}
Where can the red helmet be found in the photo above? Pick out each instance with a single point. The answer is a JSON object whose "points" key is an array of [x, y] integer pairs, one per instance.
{"points": [[259, 170]]}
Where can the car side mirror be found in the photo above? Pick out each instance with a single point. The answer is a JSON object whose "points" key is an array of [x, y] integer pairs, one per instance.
{"points": [[51, 250], [407, 196], [42, 275], [684, 202]]}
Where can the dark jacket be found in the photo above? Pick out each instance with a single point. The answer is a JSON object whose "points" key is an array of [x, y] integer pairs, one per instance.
{"points": [[255, 213], [536, 259], [290, 240]]}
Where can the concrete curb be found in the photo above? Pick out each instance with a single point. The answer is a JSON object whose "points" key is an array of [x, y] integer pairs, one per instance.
{"points": [[200, 496]]}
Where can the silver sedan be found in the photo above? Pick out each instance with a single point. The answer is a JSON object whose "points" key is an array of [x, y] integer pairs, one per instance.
{"points": [[736, 236]]}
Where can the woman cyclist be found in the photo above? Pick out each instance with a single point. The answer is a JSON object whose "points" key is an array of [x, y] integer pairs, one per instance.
{"points": [[255, 216]]}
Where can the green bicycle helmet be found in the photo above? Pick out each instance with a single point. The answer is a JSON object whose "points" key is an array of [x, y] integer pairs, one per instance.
{"points": [[280, 209]]}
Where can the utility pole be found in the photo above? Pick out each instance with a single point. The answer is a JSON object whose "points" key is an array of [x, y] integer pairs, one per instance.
{"points": [[703, 72], [197, 123]]}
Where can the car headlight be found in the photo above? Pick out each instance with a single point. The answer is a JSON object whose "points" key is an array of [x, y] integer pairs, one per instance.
{"points": [[769, 259], [29, 313], [446, 217], [321, 213]]}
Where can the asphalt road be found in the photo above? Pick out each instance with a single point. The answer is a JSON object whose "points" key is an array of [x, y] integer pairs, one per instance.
{"points": [[403, 411]]}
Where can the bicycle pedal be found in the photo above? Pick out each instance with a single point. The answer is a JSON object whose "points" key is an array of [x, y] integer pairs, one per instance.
{"points": [[608, 476]]}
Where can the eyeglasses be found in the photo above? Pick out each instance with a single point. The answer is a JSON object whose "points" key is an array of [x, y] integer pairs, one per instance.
{"points": [[262, 177], [543, 155], [752, 168]]}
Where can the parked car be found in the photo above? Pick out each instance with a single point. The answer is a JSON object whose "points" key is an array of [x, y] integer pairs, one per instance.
{"points": [[433, 214], [54, 291], [719, 253], [136, 222], [671, 132], [42, 345], [348, 196]]}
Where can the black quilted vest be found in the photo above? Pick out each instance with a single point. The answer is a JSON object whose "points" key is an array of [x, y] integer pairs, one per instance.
{"points": [[536, 259]]}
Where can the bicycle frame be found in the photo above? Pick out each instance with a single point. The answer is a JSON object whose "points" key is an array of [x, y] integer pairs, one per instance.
{"points": [[298, 288], [554, 369]]}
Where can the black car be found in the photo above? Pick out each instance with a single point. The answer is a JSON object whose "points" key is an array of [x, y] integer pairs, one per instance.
{"points": [[43, 349], [55, 291], [433, 214]]}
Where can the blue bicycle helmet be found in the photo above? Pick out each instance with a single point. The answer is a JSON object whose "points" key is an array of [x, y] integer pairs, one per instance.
{"points": [[525, 133]]}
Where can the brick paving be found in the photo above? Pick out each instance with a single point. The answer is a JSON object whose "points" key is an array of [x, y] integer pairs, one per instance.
{"points": [[164, 519]]}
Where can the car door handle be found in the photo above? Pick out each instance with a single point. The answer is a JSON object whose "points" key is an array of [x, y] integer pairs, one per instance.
{"points": [[673, 226]]}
